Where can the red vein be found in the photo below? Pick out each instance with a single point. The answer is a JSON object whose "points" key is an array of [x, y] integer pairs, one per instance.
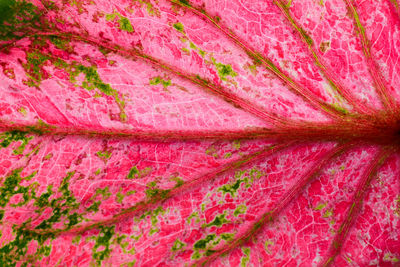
{"points": [[289, 196], [295, 87], [356, 206], [334, 83], [365, 129], [379, 82], [147, 204]]}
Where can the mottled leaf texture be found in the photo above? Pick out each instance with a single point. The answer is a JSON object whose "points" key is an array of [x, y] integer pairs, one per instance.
{"points": [[199, 132]]}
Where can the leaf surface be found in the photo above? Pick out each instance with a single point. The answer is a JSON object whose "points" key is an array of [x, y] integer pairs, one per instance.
{"points": [[176, 133]]}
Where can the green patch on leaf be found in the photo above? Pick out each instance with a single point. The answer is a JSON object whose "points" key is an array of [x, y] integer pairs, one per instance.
{"points": [[101, 249], [14, 136], [320, 206], [133, 172], [241, 209], [225, 70], [154, 193], [104, 155], [267, 244], [202, 244], [124, 23], [12, 186], [158, 80], [245, 259], [231, 188], [34, 68], [179, 27], [17, 18], [218, 221], [178, 245]]}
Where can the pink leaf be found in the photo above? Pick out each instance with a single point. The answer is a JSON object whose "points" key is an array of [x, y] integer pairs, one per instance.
{"points": [[222, 133]]}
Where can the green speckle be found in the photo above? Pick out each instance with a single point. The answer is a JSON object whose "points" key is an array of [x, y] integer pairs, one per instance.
{"points": [[228, 155], [62, 206], [34, 68], [267, 244], [23, 111], [218, 221], [104, 155], [58, 42], [231, 188], [48, 156], [101, 249], [178, 180], [320, 206], [40, 128], [245, 260], [202, 244], [179, 27], [241, 209], [178, 245], [389, 257], [193, 215], [227, 236], [16, 17], [12, 186], [133, 172], [14, 136], [158, 80], [92, 81], [328, 213], [225, 70], [153, 193], [124, 23], [120, 197]]}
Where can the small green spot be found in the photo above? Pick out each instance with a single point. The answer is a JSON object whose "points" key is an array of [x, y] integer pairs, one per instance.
{"points": [[76, 240], [225, 70], [193, 215], [178, 245], [267, 244], [178, 180], [133, 172], [120, 197], [320, 206], [328, 213], [179, 27], [202, 244], [218, 221], [241, 209], [158, 80], [227, 236], [101, 249], [153, 193], [245, 260], [228, 155], [104, 155], [231, 188], [124, 23]]}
